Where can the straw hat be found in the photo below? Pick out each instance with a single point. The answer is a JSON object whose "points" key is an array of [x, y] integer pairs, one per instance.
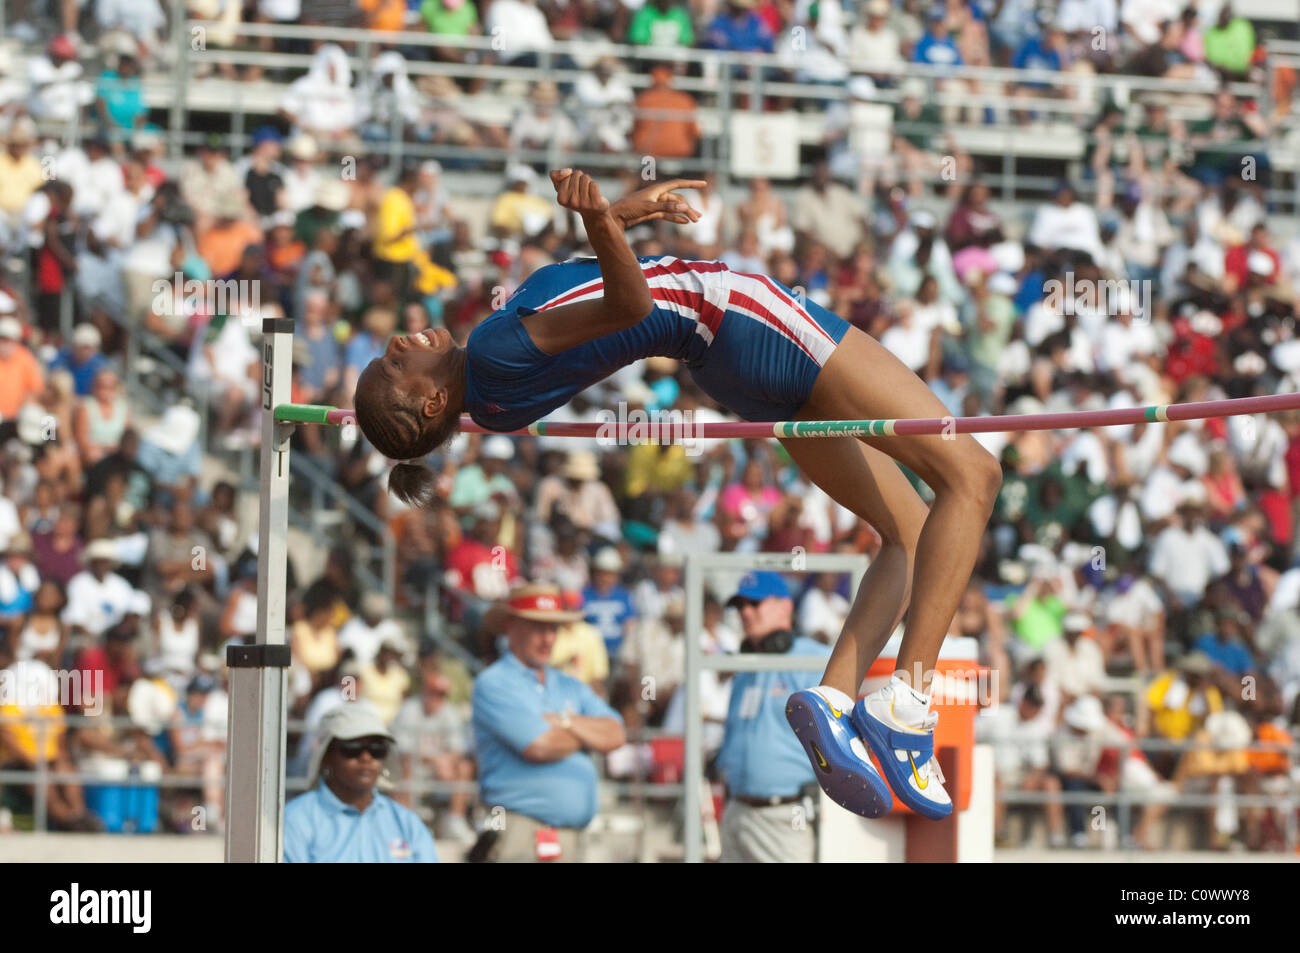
{"points": [[302, 146], [331, 194], [538, 601], [581, 465]]}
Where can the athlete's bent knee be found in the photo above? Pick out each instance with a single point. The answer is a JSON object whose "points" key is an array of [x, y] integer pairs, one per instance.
{"points": [[981, 477]]}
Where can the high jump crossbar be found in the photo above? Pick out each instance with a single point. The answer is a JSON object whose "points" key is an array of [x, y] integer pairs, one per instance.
{"points": [[671, 427]]}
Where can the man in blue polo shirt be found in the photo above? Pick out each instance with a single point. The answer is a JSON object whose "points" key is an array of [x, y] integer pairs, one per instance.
{"points": [[533, 729], [343, 819], [762, 760]]}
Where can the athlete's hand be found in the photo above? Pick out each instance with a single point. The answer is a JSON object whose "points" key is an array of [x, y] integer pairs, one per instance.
{"points": [[657, 201], [578, 191]]}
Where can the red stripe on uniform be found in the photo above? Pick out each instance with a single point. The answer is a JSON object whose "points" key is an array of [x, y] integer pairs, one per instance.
{"points": [[803, 312], [739, 297], [596, 284]]}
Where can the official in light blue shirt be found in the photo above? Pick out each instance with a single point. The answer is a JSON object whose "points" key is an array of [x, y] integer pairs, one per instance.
{"points": [[343, 819], [761, 758], [535, 726]]}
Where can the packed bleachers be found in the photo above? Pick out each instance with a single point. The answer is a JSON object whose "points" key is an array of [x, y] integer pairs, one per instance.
{"points": [[1027, 220]]}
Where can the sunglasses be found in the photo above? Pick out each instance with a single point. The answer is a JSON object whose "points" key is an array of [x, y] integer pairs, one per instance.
{"points": [[745, 603], [377, 747]]}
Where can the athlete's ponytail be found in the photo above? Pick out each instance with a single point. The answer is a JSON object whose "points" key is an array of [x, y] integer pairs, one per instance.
{"points": [[412, 483]]}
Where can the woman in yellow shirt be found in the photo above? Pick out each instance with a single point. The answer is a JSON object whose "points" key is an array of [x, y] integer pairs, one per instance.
{"points": [[314, 642]]}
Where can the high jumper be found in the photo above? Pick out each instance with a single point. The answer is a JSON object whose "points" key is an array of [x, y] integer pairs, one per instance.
{"points": [[756, 348]]}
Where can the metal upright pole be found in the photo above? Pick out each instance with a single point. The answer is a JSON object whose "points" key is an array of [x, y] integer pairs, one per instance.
{"points": [[181, 81], [693, 769], [255, 776]]}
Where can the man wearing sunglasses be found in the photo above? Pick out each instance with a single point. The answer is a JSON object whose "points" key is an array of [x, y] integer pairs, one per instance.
{"points": [[768, 815], [343, 818]]}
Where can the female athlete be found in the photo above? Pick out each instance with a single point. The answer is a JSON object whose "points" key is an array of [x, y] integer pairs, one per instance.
{"points": [[754, 348]]}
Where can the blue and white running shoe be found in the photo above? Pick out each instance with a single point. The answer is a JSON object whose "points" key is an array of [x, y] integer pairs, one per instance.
{"points": [[839, 758], [905, 753]]}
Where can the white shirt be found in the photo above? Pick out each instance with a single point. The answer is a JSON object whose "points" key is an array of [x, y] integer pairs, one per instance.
{"points": [[57, 92], [521, 27], [364, 640], [97, 606], [9, 522], [115, 224], [1108, 517], [1160, 493], [1188, 561], [1144, 17], [869, 50], [1137, 608], [1072, 227], [1120, 344], [1078, 670], [281, 11], [1086, 451], [1085, 15], [823, 612]]}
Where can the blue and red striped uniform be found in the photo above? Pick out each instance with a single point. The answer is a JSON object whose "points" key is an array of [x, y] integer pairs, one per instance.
{"points": [[747, 340]]}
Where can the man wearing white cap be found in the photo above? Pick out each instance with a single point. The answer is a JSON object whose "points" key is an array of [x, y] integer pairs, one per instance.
{"points": [[478, 482], [82, 360], [1186, 555], [343, 818], [98, 597], [533, 727], [578, 492], [607, 602], [516, 211]]}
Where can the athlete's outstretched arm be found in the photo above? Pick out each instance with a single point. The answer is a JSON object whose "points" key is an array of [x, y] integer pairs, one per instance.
{"points": [[626, 299]]}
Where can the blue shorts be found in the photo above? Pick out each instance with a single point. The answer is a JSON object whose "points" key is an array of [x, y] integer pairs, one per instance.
{"points": [[767, 349]]}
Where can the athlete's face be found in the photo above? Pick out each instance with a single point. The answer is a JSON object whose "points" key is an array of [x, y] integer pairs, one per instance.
{"points": [[425, 363]]}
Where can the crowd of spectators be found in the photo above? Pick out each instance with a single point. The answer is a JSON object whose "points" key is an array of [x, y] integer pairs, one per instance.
{"points": [[1136, 583]]}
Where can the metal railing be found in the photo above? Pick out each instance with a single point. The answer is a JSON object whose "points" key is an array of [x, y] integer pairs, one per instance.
{"points": [[728, 83]]}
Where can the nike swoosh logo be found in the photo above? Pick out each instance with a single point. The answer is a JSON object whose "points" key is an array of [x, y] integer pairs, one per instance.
{"points": [[916, 775], [821, 762]]}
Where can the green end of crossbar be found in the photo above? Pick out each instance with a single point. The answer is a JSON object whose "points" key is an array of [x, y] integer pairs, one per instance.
{"points": [[303, 413]]}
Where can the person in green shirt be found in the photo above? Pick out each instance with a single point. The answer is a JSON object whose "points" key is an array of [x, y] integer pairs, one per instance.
{"points": [[1037, 614], [1218, 138], [449, 17], [661, 23], [1230, 44], [916, 122]]}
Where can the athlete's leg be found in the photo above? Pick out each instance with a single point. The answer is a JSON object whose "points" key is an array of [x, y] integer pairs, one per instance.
{"points": [[861, 379], [869, 484]]}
